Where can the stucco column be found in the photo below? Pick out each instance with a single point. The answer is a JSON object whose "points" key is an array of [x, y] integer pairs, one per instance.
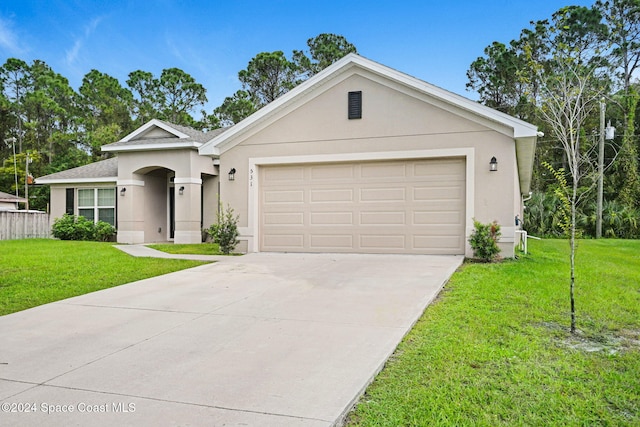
{"points": [[130, 213], [187, 210]]}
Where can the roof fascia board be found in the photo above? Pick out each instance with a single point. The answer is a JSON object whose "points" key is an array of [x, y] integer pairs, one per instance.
{"points": [[76, 180], [151, 147]]}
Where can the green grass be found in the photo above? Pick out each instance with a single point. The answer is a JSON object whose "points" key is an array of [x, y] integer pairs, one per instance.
{"points": [[35, 272], [495, 348], [189, 249]]}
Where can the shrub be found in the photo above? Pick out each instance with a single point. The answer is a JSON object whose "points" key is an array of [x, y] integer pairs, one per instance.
{"points": [[84, 229], [484, 240], [105, 232], [225, 232], [64, 228], [70, 227]]}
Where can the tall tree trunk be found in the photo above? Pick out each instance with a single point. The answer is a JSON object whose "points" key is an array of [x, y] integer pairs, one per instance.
{"points": [[572, 244]]}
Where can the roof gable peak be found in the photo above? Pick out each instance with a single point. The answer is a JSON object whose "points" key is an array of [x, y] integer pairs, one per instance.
{"points": [[146, 131], [350, 64]]}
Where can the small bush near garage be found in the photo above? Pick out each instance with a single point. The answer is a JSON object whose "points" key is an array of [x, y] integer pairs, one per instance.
{"points": [[71, 227], [484, 240], [225, 231]]}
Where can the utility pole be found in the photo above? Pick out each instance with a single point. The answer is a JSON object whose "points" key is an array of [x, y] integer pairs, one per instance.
{"points": [[26, 180], [600, 170], [12, 140]]}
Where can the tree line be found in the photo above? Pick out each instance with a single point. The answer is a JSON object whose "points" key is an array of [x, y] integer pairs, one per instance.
{"points": [[558, 74], [55, 127]]}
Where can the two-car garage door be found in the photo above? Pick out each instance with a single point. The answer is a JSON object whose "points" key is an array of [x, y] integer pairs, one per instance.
{"points": [[406, 206]]}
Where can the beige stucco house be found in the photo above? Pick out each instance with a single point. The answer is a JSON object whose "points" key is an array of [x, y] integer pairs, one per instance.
{"points": [[359, 158]]}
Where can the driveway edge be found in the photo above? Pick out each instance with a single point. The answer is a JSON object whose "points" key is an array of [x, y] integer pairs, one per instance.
{"points": [[352, 404]]}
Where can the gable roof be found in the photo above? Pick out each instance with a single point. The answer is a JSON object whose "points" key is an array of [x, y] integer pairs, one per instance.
{"points": [[102, 171], [525, 134], [11, 198], [161, 135]]}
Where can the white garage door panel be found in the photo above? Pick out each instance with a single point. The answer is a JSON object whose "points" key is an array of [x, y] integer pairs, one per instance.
{"points": [[331, 218], [382, 218], [331, 195], [296, 218], [289, 242], [330, 241], [437, 217], [414, 206]]}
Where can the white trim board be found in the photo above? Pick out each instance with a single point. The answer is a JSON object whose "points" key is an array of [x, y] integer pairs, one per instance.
{"points": [[152, 147], [187, 181], [133, 182], [44, 181]]}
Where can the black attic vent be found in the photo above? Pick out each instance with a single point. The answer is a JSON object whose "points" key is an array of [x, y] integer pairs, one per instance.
{"points": [[355, 105]]}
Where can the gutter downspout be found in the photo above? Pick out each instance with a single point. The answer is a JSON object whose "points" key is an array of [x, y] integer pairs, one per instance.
{"points": [[521, 232]]}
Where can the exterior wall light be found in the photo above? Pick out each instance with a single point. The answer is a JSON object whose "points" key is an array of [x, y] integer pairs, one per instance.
{"points": [[493, 164], [181, 190], [232, 174], [122, 191]]}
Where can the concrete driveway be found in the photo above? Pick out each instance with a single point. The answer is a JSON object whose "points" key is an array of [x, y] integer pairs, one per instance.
{"points": [[260, 340]]}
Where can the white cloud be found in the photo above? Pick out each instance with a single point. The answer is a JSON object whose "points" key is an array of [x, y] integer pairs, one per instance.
{"points": [[8, 38], [72, 54], [173, 48]]}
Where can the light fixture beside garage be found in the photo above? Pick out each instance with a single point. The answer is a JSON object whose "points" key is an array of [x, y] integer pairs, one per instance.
{"points": [[493, 164], [181, 190], [232, 174]]}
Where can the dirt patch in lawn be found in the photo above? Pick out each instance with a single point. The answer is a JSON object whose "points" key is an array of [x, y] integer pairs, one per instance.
{"points": [[611, 342]]}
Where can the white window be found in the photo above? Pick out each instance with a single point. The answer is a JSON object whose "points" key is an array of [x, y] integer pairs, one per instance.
{"points": [[97, 204]]}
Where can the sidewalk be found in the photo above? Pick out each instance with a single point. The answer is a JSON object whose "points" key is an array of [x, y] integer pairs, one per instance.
{"points": [[147, 252]]}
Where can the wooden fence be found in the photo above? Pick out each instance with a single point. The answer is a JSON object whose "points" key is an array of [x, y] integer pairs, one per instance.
{"points": [[24, 225]]}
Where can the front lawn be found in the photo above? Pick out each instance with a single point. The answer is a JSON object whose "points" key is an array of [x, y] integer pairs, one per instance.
{"points": [[38, 271], [495, 348]]}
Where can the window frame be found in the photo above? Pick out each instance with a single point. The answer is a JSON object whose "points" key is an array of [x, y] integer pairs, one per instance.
{"points": [[95, 206]]}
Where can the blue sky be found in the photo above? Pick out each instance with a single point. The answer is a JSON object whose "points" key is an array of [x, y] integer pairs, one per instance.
{"points": [[213, 40]]}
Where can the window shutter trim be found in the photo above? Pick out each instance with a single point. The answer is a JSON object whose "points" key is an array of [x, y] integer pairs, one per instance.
{"points": [[69, 201]]}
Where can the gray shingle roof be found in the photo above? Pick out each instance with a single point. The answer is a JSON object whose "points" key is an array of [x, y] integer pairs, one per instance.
{"points": [[194, 134], [6, 197], [102, 169]]}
